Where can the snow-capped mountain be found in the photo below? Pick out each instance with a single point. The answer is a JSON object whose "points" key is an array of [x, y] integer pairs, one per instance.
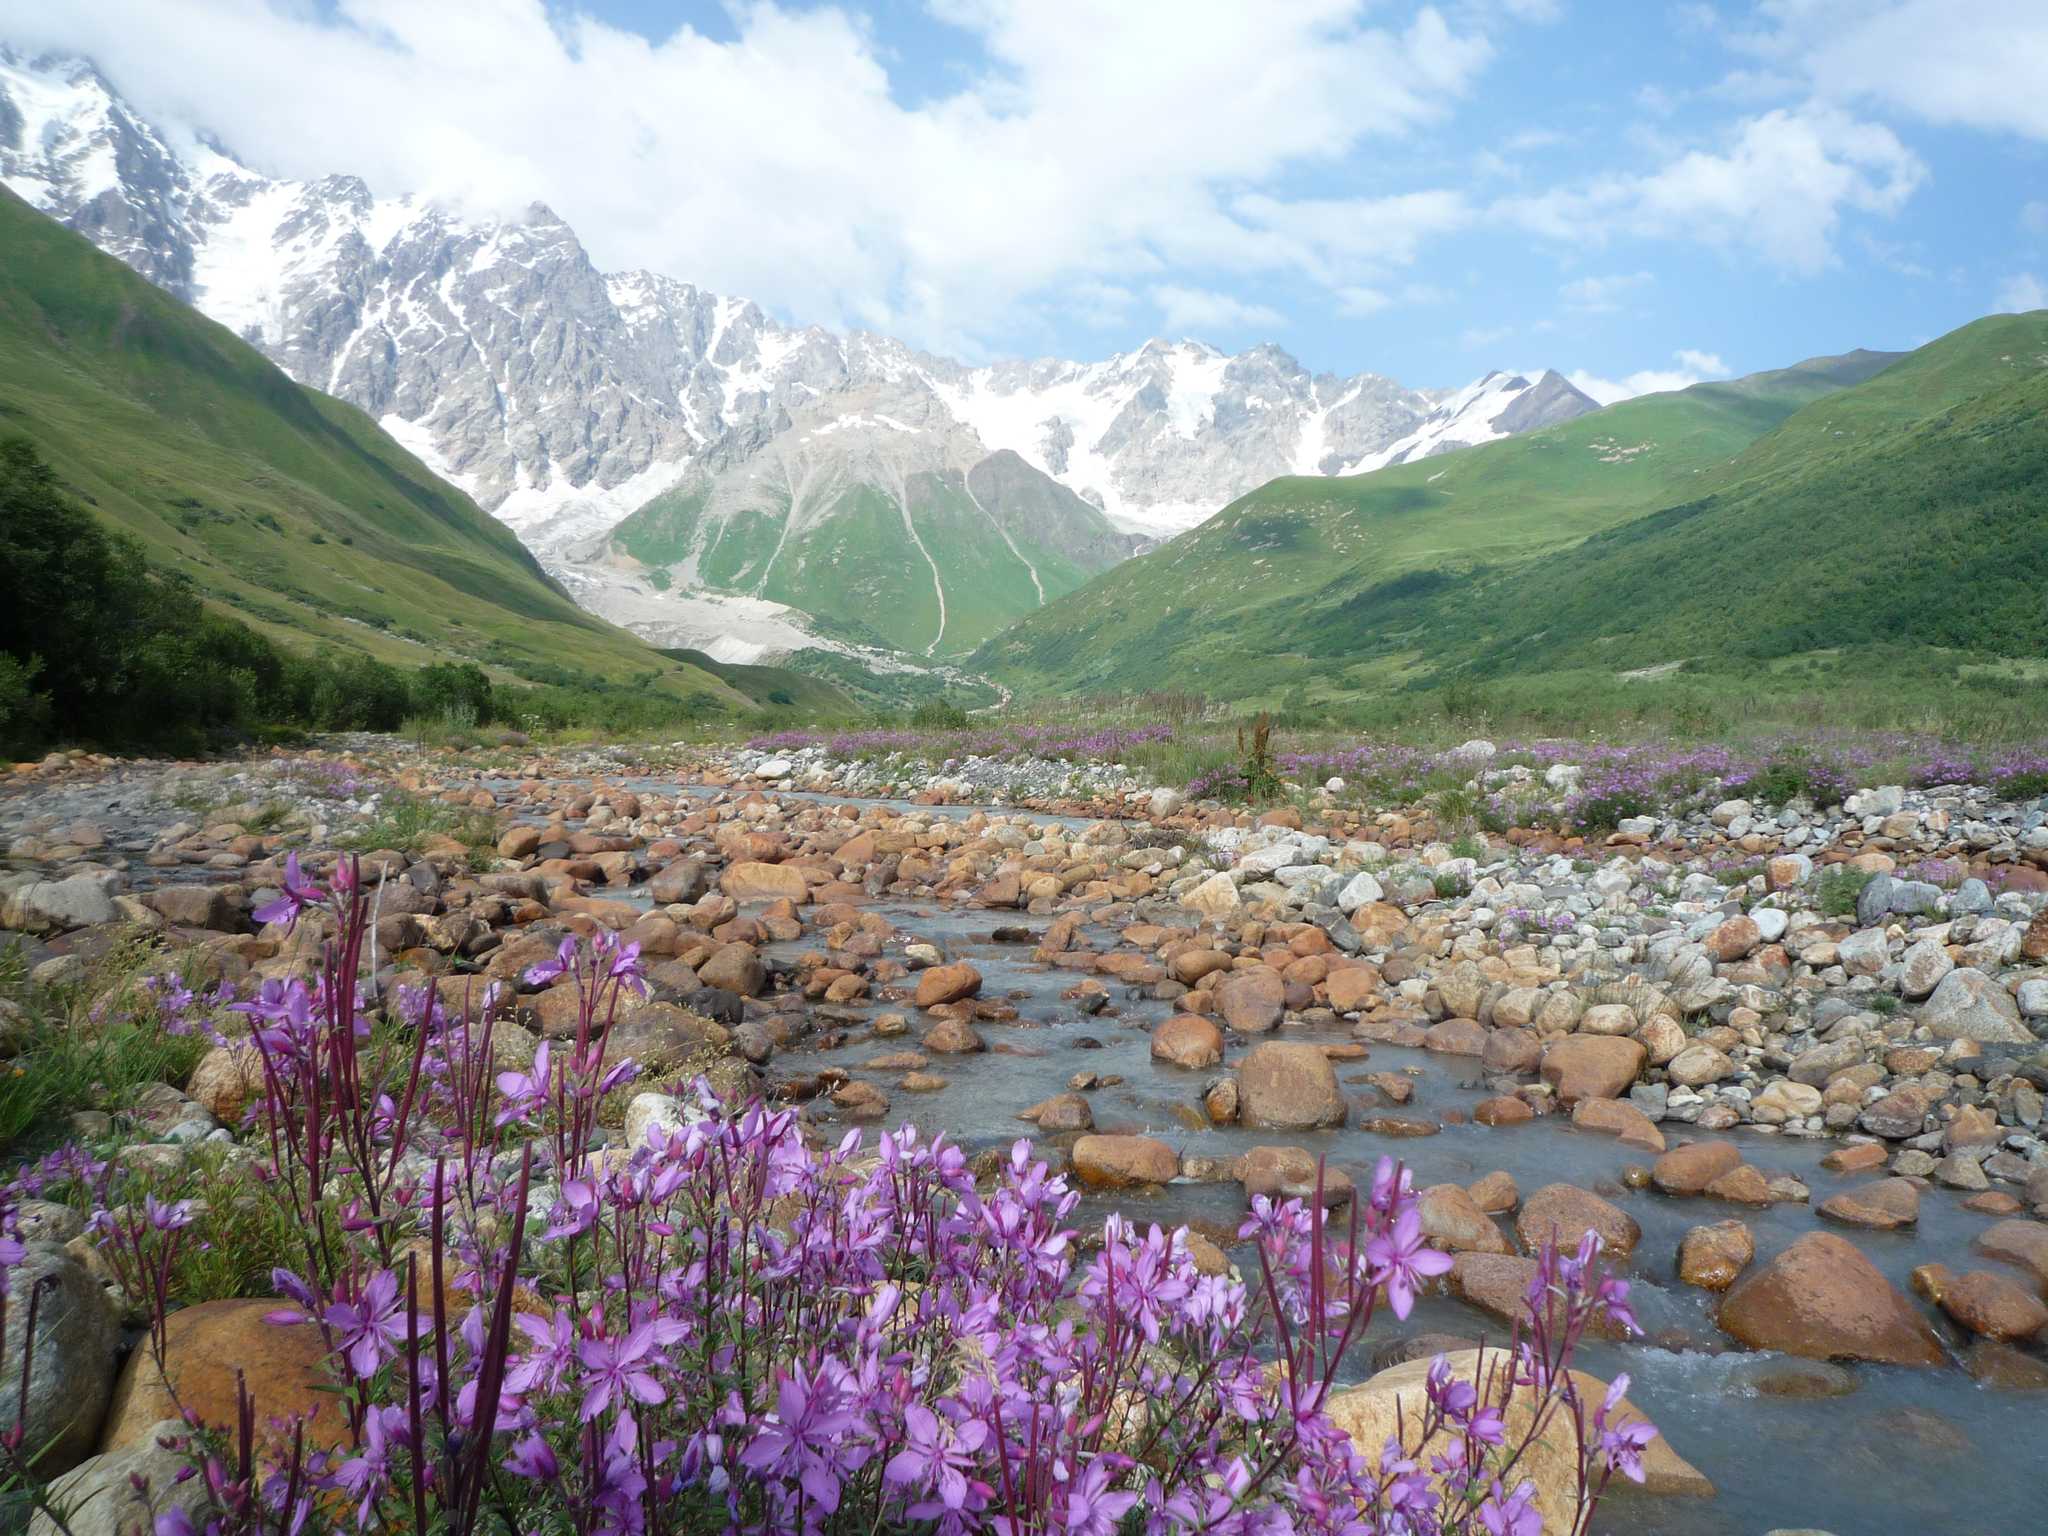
{"points": [[564, 399]]}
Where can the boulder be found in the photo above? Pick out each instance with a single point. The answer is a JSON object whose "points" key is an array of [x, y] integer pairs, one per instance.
{"points": [[1062, 1112], [1618, 1117], [1395, 1404], [2022, 1244], [1118, 1162], [751, 880], [1187, 1040], [1252, 1003], [737, 969], [1882, 1204], [1288, 1087], [1609, 1019], [1288, 1173], [1353, 988], [1496, 1193], [1215, 898], [1698, 1065], [1512, 1051], [122, 1492], [947, 984], [1565, 1213], [1591, 1066], [1968, 1005], [1743, 1185], [1689, 1169], [1456, 1037], [227, 1080], [1452, 1220], [1823, 1300], [196, 906], [1711, 1257], [58, 906], [679, 882], [953, 1037], [1663, 1037], [1989, 1304], [206, 1347], [71, 1372], [1924, 968], [859, 1100]]}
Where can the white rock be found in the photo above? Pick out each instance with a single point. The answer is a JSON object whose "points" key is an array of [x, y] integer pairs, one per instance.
{"points": [[1216, 897], [1360, 890], [660, 1111], [772, 768], [1770, 922], [1477, 750], [1165, 802], [2033, 999], [1334, 785]]}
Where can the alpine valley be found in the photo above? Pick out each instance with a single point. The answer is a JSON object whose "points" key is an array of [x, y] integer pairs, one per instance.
{"points": [[686, 465]]}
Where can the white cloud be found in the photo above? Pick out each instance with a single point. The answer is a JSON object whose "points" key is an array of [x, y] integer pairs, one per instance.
{"points": [[1693, 368], [1778, 188], [1192, 311], [1358, 302], [2020, 293], [1601, 295], [1106, 146], [1969, 63]]}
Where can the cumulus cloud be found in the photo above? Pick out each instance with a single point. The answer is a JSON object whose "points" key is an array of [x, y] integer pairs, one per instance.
{"points": [[2020, 293], [1197, 310], [1105, 147], [1981, 64], [1693, 368], [1778, 188], [1600, 295]]}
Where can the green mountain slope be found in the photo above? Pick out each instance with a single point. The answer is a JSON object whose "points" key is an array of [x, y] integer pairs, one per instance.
{"points": [[1912, 510], [1208, 610], [910, 534], [282, 506], [773, 687]]}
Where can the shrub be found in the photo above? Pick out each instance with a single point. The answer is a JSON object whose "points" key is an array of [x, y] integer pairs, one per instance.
{"points": [[1836, 890]]}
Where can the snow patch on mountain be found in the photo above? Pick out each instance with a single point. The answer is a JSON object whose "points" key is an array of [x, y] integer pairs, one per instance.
{"points": [[562, 399]]}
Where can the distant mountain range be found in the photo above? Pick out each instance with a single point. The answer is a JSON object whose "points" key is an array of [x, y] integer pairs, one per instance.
{"points": [[762, 474], [1842, 504]]}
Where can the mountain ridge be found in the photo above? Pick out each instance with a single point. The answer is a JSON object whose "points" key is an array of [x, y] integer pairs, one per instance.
{"points": [[563, 399]]}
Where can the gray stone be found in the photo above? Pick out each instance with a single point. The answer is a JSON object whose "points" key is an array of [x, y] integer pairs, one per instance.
{"points": [[100, 1497], [57, 906], [72, 1365], [1922, 969], [1653, 1099], [1968, 1005], [1875, 899], [1971, 896]]}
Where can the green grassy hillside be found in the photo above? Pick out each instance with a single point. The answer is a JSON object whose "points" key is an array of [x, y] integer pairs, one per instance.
{"points": [[1229, 608], [288, 509], [1912, 511], [931, 563], [773, 687]]}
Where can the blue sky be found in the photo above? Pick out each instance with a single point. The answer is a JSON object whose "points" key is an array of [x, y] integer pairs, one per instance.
{"points": [[1634, 193]]}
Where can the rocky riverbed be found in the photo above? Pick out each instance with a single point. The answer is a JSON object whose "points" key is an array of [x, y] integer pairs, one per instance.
{"points": [[1786, 1059]]}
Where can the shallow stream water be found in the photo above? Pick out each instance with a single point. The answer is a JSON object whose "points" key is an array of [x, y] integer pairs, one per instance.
{"points": [[1900, 1451]]}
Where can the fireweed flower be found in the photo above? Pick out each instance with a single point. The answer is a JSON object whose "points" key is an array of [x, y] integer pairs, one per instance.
{"points": [[372, 1328], [167, 1218], [525, 1092], [816, 1436], [1402, 1263], [548, 970], [618, 1369], [296, 894], [936, 1460], [366, 1475], [1621, 1445]]}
